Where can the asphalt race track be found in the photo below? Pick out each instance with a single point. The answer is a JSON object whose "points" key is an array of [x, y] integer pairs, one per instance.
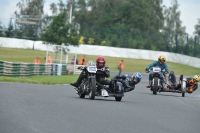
{"points": [[29, 108]]}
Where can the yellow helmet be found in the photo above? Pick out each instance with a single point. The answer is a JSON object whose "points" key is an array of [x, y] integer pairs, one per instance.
{"points": [[196, 78], [161, 58]]}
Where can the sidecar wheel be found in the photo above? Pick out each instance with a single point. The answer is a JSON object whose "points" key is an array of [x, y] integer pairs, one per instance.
{"points": [[118, 98], [183, 94], [82, 95], [183, 87]]}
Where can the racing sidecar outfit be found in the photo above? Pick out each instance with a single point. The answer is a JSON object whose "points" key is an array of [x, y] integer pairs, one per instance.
{"points": [[190, 85]]}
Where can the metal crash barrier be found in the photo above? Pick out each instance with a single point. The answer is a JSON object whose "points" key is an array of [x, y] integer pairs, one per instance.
{"points": [[29, 69]]}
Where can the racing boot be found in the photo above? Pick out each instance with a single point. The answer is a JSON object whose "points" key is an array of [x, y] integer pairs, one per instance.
{"points": [[74, 84], [148, 86], [77, 83]]}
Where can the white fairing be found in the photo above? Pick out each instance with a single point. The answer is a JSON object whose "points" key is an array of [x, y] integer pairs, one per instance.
{"points": [[183, 85], [91, 67], [156, 69], [104, 93]]}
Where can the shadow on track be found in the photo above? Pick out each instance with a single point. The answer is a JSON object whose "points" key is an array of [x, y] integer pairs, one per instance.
{"points": [[158, 94], [104, 99]]}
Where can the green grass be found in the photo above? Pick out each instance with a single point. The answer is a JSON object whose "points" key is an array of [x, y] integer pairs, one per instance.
{"points": [[131, 65], [64, 79]]}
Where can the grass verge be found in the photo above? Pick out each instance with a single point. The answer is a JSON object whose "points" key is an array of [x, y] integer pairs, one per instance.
{"points": [[64, 79], [131, 65]]}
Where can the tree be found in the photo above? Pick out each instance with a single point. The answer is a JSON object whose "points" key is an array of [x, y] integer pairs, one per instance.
{"points": [[128, 21], [173, 30], [54, 8], [57, 32], [10, 31], [32, 8], [2, 30], [197, 28], [61, 6]]}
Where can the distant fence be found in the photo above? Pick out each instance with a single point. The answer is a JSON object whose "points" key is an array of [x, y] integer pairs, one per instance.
{"points": [[74, 68], [25, 69]]}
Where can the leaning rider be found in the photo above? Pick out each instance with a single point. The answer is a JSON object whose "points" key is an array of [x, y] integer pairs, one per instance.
{"points": [[128, 81], [191, 83], [160, 63], [102, 73]]}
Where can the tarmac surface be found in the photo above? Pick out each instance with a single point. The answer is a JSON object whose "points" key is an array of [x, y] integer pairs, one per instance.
{"points": [[30, 108]]}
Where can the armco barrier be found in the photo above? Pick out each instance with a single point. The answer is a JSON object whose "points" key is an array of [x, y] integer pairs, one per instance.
{"points": [[59, 69], [73, 68], [25, 69]]}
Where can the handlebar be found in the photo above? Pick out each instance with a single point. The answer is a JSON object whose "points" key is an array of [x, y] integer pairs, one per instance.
{"points": [[147, 71], [81, 67], [101, 69], [164, 72]]}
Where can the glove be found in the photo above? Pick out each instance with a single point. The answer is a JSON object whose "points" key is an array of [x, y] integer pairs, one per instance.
{"points": [[103, 69], [106, 67], [146, 69], [123, 77], [80, 67]]}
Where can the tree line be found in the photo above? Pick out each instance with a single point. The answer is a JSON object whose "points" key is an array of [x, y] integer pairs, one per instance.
{"points": [[138, 24]]}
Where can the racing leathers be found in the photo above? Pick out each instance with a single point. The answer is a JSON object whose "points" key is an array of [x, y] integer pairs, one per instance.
{"points": [[127, 81], [157, 64], [101, 74], [190, 85], [172, 78]]}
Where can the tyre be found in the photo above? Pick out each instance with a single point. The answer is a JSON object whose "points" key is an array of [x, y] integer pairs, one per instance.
{"points": [[155, 88], [118, 99], [82, 95], [92, 85], [183, 94], [183, 87]]}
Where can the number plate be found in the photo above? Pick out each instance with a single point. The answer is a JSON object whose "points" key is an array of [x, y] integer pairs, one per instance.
{"points": [[156, 69], [92, 69]]}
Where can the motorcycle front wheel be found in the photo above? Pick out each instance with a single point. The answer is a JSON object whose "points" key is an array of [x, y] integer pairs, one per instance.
{"points": [[155, 87], [92, 85]]}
